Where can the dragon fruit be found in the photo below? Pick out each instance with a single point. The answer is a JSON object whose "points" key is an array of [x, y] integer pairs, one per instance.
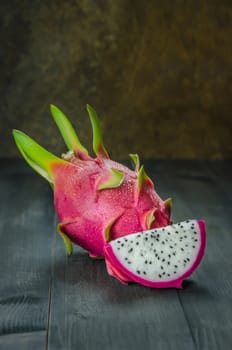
{"points": [[159, 258], [97, 200]]}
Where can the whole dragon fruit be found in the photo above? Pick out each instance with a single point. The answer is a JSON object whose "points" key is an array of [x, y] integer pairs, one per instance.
{"points": [[97, 200]]}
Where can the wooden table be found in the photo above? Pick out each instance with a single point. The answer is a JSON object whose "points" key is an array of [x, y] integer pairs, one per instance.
{"points": [[50, 301]]}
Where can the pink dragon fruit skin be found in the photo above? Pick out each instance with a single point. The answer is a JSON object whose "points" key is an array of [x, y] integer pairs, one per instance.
{"points": [[117, 268], [96, 199], [85, 212]]}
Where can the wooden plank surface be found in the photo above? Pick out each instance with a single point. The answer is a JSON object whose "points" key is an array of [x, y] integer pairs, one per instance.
{"points": [[26, 219], [50, 301], [199, 192], [90, 310]]}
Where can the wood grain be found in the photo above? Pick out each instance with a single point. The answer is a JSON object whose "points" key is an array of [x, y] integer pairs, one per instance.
{"points": [[206, 299], [90, 310], [26, 230], [49, 301]]}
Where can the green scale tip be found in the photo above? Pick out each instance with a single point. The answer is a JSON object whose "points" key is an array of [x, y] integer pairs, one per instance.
{"points": [[69, 135], [36, 156], [66, 240], [135, 160], [98, 145], [114, 179]]}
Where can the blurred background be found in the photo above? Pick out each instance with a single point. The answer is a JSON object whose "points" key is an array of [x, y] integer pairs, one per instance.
{"points": [[159, 74]]}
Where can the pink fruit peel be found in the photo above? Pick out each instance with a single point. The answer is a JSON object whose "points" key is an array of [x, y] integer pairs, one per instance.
{"points": [[96, 199]]}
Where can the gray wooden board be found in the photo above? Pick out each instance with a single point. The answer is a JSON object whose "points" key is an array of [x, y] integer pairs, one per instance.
{"points": [[207, 298], [50, 301], [24, 341], [90, 310], [26, 219], [222, 174]]}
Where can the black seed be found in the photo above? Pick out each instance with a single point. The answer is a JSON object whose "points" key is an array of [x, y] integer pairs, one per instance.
{"points": [[137, 243], [129, 262], [195, 240], [163, 229], [168, 274], [171, 246], [118, 248], [174, 253], [176, 266], [130, 250], [163, 242], [138, 272], [188, 259], [163, 260], [145, 261], [160, 276], [174, 271], [168, 262], [176, 231], [144, 272], [152, 243], [169, 255], [158, 258], [194, 246], [161, 267], [150, 262], [182, 249], [169, 233], [126, 258], [164, 273], [161, 251], [122, 245], [125, 239], [195, 232], [181, 226], [185, 236], [146, 238], [186, 245]]}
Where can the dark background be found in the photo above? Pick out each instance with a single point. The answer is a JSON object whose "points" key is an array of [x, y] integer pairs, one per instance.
{"points": [[158, 73]]}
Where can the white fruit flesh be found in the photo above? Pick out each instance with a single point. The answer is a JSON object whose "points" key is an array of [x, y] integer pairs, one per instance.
{"points": [[163, 254]]}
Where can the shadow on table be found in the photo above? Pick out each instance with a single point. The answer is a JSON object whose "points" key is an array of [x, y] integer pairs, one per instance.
{"points": [[90, 276]]}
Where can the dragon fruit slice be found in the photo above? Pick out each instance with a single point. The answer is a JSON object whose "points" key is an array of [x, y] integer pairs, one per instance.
{"points": [[158, 258], [96, 199]]}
